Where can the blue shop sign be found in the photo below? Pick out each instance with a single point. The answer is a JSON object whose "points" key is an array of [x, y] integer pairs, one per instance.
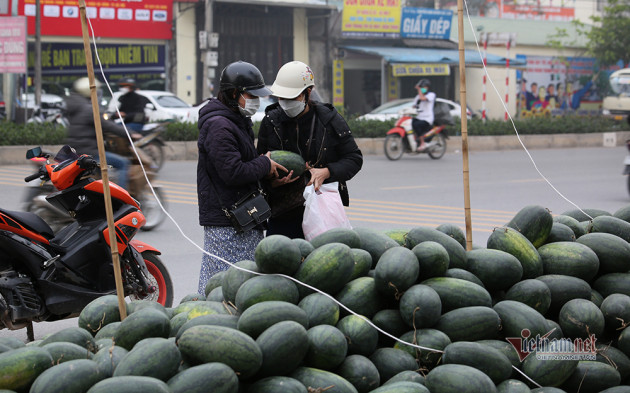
{"points": [[426, 23]]}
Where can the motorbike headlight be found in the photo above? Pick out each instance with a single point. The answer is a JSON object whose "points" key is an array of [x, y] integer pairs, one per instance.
{"points": [[605, 112]]}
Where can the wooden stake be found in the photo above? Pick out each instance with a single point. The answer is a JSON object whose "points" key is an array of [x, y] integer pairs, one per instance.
{"points": [[462, 99], [104, 173]]}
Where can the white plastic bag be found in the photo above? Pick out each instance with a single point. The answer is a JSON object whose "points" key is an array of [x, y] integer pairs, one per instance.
{"points": [[323, 210]]}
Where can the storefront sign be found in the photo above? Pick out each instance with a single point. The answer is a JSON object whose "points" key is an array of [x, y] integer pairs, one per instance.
{"points": [[69, 59], [13, 44], [338, 83], [426, 23], [554, 85], [534, 10], [371, 18], [392, 87], [412, 69], [109, 18]]}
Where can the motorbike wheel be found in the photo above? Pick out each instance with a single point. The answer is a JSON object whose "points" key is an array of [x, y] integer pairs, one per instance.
{"points": [[156, 152], [151, 209], [394, 147], [158, 277], [438, 150]]}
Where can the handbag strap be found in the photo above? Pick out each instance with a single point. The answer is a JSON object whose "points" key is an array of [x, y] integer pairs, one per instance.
{"points": [[310, 137]]}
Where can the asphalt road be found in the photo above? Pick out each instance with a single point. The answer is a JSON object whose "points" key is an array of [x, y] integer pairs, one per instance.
{"points": [[415, 191]]}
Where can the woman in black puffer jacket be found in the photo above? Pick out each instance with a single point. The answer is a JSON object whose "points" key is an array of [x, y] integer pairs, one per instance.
{"points": [[314, 130]]}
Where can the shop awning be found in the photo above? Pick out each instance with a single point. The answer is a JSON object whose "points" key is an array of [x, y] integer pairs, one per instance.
{"points": [[428, 55]]}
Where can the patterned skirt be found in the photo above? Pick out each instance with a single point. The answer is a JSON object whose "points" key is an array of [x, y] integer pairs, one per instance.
{"points": [[225, 243]]}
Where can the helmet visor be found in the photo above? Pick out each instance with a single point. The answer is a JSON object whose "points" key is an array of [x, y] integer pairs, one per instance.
{"points": [[261, 91]]}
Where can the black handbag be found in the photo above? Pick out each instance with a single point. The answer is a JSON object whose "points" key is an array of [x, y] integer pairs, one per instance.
{"points": [[248, 212]]}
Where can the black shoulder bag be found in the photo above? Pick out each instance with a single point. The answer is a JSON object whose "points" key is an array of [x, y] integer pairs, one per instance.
{"points": [[248, 212]]}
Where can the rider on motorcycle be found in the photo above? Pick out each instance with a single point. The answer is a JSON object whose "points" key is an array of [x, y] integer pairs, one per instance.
{"points": [[424, 103], [131, 104], [81, 134]]}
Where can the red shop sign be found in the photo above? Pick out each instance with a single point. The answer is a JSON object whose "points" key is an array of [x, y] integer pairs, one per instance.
{"points": [[110, 18]]}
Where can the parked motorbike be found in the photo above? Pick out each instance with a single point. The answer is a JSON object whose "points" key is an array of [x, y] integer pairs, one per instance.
{"points": [[55, 117], [401, 139], [35, 198], [46, 276]]}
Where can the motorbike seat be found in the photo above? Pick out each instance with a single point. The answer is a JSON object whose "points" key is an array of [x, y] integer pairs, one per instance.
{"points": [[31, 221]]}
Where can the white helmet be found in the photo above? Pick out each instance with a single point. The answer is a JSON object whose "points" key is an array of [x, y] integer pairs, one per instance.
{"points": [[292, 79], [82, 86]]}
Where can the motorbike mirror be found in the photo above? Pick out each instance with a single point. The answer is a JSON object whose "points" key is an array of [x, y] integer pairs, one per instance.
{"points": [[34, 152]]}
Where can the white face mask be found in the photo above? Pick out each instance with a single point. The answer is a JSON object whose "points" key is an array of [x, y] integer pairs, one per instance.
{"points": [[124, 90], [251, 106], [292, 107]]}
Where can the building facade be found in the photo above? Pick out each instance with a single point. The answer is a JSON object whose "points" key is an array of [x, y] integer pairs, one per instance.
{"points": [[363, 52]]}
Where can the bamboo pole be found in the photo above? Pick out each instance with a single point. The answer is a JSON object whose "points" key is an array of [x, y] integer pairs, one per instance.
{"points": [[462, 99], [103, 161]]}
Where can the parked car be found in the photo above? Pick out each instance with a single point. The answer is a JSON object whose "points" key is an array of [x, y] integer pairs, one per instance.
{"points": [[163, 106], [50, 103], [392, 109]]}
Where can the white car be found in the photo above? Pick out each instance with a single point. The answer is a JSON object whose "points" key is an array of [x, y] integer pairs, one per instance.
{"points": [[50, 103], [163, 105], [394, 109]]}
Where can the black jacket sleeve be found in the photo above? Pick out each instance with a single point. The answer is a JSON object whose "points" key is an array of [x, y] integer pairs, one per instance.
{"points": [[222, 145], [349, 157]]}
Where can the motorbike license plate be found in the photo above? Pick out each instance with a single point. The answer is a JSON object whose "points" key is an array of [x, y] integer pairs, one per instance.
{"points": [[618, 117]]}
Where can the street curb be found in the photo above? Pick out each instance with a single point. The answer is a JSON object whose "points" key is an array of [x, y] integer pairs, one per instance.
{"points": [[175, 151]]}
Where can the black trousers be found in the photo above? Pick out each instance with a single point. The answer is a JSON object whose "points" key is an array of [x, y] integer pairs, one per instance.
{"points": [[289, 224], [420, 127]]}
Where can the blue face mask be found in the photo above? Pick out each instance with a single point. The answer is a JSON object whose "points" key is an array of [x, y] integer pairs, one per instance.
{"points": [[424, 90]]}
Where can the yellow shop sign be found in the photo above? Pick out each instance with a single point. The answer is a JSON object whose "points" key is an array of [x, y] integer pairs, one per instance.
{"points": [[415, 69]]}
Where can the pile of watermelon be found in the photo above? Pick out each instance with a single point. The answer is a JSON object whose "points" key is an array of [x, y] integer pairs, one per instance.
{"points": [[358, 310]]}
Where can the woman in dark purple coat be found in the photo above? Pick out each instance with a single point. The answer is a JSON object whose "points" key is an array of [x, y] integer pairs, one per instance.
{"points": [[229, 166]]}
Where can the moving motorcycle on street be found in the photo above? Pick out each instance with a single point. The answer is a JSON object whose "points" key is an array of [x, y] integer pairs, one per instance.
{"points": [[401, 139], [151, 142], [47, 276], [35, 198]]}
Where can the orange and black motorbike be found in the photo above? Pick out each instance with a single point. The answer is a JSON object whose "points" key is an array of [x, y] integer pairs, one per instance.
{"points": [[35, 197], [46, 276]]}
